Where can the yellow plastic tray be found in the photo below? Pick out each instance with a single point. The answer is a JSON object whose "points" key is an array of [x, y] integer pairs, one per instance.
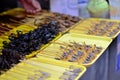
{"points": [[30, 67], [2, 38], [8, 29], [12, 11], [29, 17], [30, 21], [25, 29], [17, 11], [88, 24], [54, 49], [22, 28], [73, 26]]}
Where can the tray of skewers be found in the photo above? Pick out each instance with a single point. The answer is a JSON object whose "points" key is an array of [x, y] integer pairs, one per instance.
{"points": [[78, 49], [18, 16], [98, 27], [43, 69]]}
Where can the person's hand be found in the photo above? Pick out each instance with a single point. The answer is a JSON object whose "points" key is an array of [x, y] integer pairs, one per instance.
{"points": [[31, 6]]}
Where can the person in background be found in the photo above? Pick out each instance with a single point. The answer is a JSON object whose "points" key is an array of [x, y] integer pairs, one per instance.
{"points": [[34, 6], [31, 6]]}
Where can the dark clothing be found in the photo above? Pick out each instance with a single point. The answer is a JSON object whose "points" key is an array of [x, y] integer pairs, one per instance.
{"points": [[107, 1], [45, 4], [7, 4]]}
